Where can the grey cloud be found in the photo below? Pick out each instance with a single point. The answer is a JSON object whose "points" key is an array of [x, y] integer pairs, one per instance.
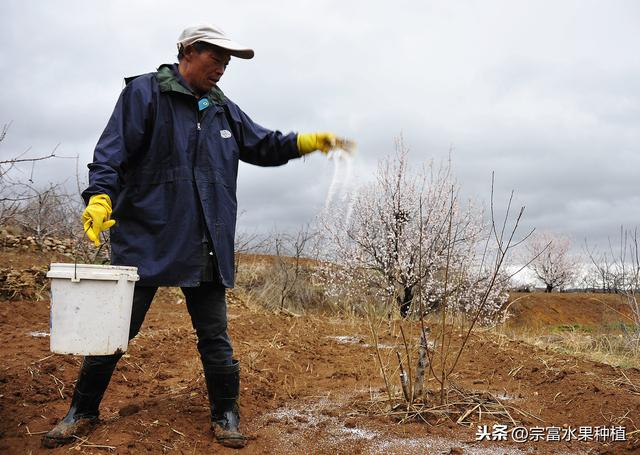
{"points": [[547, 95]]}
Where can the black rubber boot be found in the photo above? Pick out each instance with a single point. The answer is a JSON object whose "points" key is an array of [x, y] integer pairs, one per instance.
{"points": [[83, 414], [223, 385]]}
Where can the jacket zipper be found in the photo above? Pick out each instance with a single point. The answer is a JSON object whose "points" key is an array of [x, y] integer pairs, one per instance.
{"points": [[198, 128], [199, 115]]}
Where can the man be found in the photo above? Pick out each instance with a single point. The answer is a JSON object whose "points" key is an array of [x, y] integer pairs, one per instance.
{"points": [[168, 162]]}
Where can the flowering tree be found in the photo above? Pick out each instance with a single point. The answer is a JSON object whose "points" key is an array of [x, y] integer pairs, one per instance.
{"points": [[406, 238], [552, 264], [407, 242]]}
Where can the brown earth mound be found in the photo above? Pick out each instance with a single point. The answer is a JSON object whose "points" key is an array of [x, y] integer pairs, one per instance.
{"points": [[587, 310]]}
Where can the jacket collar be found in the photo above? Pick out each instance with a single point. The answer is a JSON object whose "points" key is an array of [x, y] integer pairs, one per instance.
{"points": [[170, 80]]}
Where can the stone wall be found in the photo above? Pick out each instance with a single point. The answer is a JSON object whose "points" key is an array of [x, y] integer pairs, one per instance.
{"points": [[25, 242]]}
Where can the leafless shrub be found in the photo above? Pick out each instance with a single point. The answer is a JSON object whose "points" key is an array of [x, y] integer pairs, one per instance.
{"points": [[289, 254], [41, 211], [45, 213], [247, 242], [619, 269], [283, 280], [607, 271]]}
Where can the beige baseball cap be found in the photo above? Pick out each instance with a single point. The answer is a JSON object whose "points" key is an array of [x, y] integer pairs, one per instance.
{"points": [[211, 34]]}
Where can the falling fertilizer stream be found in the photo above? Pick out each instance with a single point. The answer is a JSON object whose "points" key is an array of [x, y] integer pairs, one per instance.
{"points": [[341, 189], [336, 181]]}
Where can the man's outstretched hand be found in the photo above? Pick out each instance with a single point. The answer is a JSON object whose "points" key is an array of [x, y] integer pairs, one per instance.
{"points": [[324, 142], [95, 217]]}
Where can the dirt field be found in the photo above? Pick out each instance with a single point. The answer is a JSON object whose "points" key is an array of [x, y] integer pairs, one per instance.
{"points": [[309, 384]]}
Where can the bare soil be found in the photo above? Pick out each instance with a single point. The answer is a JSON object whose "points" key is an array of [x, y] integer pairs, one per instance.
{"points": [[309, 384]]}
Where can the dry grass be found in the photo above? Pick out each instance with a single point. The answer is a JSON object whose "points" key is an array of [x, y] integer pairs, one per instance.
{"points": [[604, 345], [462, 407], [265, 283]]}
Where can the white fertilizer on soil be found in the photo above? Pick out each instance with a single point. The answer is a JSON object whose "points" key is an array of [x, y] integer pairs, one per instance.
{"points": [[346, 339], [358, 433], [311, 419]]}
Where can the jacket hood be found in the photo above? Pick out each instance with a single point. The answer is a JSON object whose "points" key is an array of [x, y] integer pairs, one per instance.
{"points": [[169, 80]]}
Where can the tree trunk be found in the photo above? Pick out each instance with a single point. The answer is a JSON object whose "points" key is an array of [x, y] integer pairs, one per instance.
{"points": [[405, 302]]}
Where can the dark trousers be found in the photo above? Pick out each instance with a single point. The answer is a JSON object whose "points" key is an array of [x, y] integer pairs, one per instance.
{"points": [[207, 307]]}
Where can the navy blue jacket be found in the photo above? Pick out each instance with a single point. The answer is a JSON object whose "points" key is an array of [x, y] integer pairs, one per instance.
{"points": [[170, 170]]}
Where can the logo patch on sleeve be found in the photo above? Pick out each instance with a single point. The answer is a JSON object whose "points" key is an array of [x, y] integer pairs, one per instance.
{"points": [[225, 134]]}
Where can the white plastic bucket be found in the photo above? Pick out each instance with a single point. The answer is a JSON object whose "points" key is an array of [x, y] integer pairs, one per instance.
{"points": [[90, 308]]}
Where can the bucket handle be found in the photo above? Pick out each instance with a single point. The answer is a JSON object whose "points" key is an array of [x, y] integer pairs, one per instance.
{"points": [[75, 278]]}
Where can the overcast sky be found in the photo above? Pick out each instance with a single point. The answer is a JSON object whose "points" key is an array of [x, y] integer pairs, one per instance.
{"points": [[544, 93]]}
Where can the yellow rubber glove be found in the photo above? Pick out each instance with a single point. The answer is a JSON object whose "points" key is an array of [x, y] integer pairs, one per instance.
{"points": [[310, 142], [95, 217]]}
